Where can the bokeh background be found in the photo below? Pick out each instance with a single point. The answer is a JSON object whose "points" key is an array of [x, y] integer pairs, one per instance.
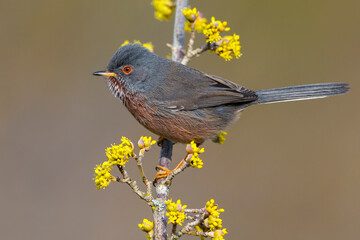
{"points": [[287, 171]]}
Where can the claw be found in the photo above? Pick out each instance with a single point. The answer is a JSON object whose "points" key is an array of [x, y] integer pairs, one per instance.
{"points": [[163, 173]]}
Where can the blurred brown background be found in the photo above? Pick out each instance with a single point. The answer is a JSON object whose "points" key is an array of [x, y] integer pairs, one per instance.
{"points": [[287, 171]]}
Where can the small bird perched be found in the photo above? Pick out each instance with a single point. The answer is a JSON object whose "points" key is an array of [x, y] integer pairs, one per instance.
{"points": [[182, 104]]}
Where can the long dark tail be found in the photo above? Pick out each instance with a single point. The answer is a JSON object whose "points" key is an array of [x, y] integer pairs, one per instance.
{"points": [[298, 93]]}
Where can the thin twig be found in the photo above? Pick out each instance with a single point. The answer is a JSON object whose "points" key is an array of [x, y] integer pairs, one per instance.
{"points": [[180, 169], [133, 185], [205, 234], [143, 176], [190, 45], [196, 52], [188, 227], [200, 210], [174, 228]]}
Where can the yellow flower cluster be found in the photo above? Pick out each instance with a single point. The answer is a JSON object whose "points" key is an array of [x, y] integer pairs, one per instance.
{"points": [[175, 212], [190, 14], [221, 137], [163, 9], [146, 226], [145, 142], [213, 29], [194, 17], [147, 45], [213, 221], [103, 176], [117, 155], [229, 48], [193, 149]]}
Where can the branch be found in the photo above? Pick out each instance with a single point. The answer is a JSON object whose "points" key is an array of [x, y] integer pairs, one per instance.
{"points": [[162, 188], [179, 32], [188, 227], [200, 210], [126, 179], [183, 164], [162, 192], [197, 52], [141, 169]]}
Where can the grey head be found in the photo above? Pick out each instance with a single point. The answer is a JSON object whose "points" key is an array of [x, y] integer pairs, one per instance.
{"points": [[130, 68]]}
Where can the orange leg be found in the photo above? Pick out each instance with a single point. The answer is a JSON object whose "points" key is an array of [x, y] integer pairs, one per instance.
{"points": [[166, 172]]}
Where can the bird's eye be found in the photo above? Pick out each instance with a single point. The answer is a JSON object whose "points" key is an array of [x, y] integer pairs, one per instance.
{"points": [[127, 69]]}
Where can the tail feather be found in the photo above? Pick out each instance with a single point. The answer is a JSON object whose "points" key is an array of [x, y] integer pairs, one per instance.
{"points": [[297, 93]]}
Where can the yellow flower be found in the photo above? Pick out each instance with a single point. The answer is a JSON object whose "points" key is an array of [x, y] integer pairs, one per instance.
{"points": [[195, 161], [103, 176], [193, 148], [175, 212], [218, 234], [213, 221], [194, 17], [124, 43], [119, 154], [146, 225], [213, 29], [147, 45], [145, 142], [221, 137], [163, 9], [199, 24], [190, 14], [229, 48]]}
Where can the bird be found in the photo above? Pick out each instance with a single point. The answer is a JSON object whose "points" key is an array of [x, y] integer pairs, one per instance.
{"points": [[182, 104]]}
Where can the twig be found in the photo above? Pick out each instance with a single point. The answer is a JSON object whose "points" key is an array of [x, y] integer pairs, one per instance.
{"points": [[205, 234], [196, 52], [179, 170], [143, 176], [174, 228], [133, 185], [200, 210], [190, 45], [188, 227]]}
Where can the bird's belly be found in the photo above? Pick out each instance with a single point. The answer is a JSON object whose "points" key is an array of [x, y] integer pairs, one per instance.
{"points": [[179, 126]]}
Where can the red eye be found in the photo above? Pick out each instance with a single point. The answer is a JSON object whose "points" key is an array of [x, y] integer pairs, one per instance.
{"points": [[127, 69]]}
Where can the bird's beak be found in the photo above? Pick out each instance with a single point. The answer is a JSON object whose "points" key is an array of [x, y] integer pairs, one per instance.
{"points": [[105, 73]]}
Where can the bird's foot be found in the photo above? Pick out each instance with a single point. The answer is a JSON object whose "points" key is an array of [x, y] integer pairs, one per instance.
{"points": [[164, 172]]}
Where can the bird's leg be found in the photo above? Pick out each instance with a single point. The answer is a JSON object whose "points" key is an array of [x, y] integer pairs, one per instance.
{"points": [[166, 172]]}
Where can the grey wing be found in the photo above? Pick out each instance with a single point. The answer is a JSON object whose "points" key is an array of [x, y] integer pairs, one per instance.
{"points": [[208, 91]]}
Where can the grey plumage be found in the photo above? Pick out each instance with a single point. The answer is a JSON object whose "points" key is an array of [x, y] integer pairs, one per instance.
{"points": [[182, 104], [297, 93]]}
